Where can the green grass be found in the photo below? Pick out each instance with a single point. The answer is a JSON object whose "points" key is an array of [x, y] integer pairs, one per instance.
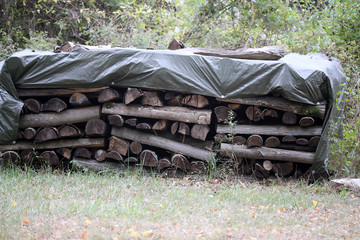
{"points": [[138, 206]]}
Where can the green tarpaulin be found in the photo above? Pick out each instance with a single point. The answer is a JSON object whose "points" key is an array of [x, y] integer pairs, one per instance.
{"points": [[310, 79]]}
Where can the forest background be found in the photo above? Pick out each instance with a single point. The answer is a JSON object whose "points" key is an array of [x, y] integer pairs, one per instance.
{"points": [[330, 27]]}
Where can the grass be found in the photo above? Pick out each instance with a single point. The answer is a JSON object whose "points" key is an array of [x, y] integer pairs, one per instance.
{"points": [[47, 205]]}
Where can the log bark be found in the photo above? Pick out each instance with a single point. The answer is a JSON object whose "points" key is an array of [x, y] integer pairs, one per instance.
{"points": [[32, 105], [269, 113], [94, 165], [46, 134], [277, 130], [160, 142], [289, 139], [132, 94], [222, 113], [114, 155], [302, 141], [119, 145], [164, 163], [116, 120], [197, 101], [283, 169], [131, 122], [238, 140], [268, 153], [69, 131], [152, 99], [161, 125], [29, 133], [131, 160], [200, 116], [145, 126], [95, 127], [55, 91], [100, 155], [314, 141], [200, 131], [282, 104], [54, 105], [136, 147], [108, 95], [289, 118], [148, 158], [253, 113], [180, 161], [82, 153], [50, 158], [174, 128], [272, 142], [68, 116], [69, 143], [64, 152], [11, 158], [79, 100], [306, 121], [254, 141], [184, 129]]}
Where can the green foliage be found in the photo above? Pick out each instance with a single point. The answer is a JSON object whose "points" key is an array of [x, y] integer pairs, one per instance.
{"points": [[303, 26]]}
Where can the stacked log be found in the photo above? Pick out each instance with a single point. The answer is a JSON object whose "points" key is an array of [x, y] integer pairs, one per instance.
{"points": [[165, 130]]}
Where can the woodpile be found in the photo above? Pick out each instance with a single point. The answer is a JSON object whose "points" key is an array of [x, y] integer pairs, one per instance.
{"points": [[106, 127]]}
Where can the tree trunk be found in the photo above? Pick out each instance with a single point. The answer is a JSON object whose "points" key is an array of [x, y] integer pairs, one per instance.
{"points": [[82, 153], [100, 155], [108, 95], [64, 152], [160, 142], [32, 105], [222, 113], [289, 118], [114, 155], [69, 131], [314, 141], [79, 100], [95, 127], [282, 104], [197, 101], [306, 121], [184, 129], [253, 113], [50, 158], [131, 122], [180, 161], [145, 126], [69, 143], [46, 134], [69, 116], [54, 105], [200, 116], [152, 99], [283, 169], [148, 158], [119, 145], [132, 94], [200, 131], [272, 142], [135, 147], [164, 163], [161, 125], [268, 153], [29, 133], [277, 130], [254, 141], [116, 120]]}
